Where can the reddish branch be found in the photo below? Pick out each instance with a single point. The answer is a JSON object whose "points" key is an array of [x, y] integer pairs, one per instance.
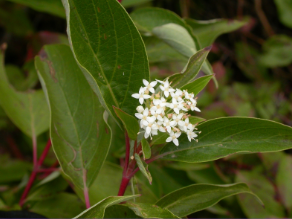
{"points": [[14, 149], [129, 168], [34, 173]]}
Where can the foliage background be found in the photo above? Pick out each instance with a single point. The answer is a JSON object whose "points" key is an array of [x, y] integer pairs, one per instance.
{"points": [[254, 71]]}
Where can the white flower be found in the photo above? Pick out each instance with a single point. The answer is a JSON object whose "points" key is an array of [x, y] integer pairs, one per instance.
{"points": [[191, 135], [185, 125], [177, 95], [188, 95], [150, 126], [150, 86], [166, 88], [140, 109], [173, 137], [176, 106], [160, 126], [193, 105], [177, 117], [158, 106], [141, 95], [143, 116], [156, 113], [168, 124]]}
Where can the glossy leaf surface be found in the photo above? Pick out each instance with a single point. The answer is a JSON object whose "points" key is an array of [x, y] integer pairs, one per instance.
{"points": [[97, 210], [197, 197], [79, 133], [223, 136], [27, 110], [110, 51], [130, 123]]}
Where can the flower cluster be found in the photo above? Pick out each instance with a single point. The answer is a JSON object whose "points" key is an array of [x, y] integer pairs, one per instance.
{"points": [[165, 110]]}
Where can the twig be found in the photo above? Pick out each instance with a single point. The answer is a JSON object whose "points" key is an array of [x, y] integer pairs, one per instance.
{"points": [[16, 152], [34, 173], [263, 18]]}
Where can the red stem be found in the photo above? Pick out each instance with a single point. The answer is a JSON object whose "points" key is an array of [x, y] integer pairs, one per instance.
{"points": [[123, 186], [48, 170], [34, 173], [120, 1], [86, 197]]}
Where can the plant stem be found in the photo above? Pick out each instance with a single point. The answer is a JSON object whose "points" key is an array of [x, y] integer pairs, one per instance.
{"points": [[123, 186], [86, 197], [127, 153], [34, 173]]}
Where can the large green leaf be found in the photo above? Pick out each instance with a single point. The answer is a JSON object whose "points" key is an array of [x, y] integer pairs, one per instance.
{"points": [[110, 51], [197, 197], [223, 136], [130, 123], [27, 110], [79, 132], [149, 211], [119, 211], [52, 6], [132, 3], [285, 11], [207, 31], [265, 190], [97, 210]]}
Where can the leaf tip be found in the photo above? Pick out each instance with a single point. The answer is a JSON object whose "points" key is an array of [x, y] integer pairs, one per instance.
{"points": [[208, 48]]}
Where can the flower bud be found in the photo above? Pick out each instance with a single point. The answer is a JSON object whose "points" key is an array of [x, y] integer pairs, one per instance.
{"points": [[140, 109], [169, 116]]}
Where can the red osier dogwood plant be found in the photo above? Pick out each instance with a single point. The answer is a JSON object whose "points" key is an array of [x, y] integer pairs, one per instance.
{"points": [[97, 99]]}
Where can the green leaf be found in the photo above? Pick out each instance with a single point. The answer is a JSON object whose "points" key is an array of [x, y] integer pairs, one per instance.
{"points": [[191, 70], [284, 179], [208, 31], [277, 51], [195, 119], [198, 85], [159, 51], [64, 205], [193, 198], [27, 110], [265, 190], [146, 149], [80, 134], [109, 179], [144, 168], [97, 210], [149, 210], [177, 37], [130, 123], [53, 7], [146, 19], [224, 136], [284, 10], [110, 51]]}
